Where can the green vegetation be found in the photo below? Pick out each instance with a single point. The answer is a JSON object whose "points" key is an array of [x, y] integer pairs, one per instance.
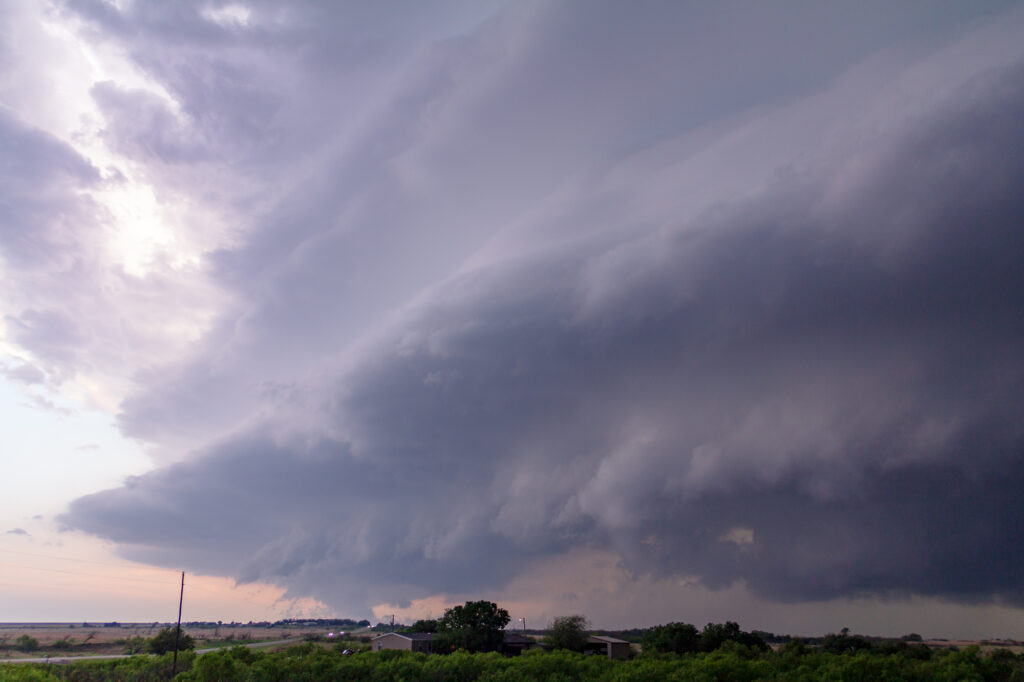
{"points": [[134, 669], [165, 639], [65, 644], [737, 656], [26, 643], [732, 661], [568, 632], [674, 638], [683, 638], [474, 626], [134, 645], [425, 625]]}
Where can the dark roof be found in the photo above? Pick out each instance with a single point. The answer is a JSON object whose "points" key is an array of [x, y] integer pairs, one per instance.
{"points": [[409, 635], [605, 639], [510, 637]]}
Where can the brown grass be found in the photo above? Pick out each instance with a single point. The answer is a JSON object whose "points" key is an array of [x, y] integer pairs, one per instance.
{"points": [[107, 641]]}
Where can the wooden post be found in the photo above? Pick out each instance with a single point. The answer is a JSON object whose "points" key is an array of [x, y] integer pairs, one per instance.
{"points": [[177, 633]]}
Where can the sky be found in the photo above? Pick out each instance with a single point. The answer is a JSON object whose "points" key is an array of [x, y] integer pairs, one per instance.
{"points": [[648, 311]]}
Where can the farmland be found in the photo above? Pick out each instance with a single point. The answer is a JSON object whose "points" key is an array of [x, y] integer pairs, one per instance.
{"points": [[109, 639]]}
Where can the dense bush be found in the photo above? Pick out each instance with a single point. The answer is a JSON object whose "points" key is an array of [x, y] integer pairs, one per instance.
{"points": [[683, 638], [165, 640], [841, 644], [730, 661], [134, 669], [26, 643], [568, 632], [674, 638]]}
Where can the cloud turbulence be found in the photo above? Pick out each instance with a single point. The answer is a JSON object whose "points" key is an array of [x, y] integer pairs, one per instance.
{"points": [[733, 292]]}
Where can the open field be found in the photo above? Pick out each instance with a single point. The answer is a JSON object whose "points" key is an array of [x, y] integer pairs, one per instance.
{"points": [[98, 639], [985, 645]]}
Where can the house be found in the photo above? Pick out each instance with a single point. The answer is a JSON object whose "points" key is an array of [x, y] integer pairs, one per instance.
{"points": [[513, 645], [516, 644], [406, 641], [614, 648]]}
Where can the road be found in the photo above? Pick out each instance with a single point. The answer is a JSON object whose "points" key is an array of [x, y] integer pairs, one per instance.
{"points": [[74, 659]]}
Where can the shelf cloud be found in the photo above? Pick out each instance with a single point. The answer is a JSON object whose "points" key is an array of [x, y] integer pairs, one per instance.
{"points": [[733, 293]]}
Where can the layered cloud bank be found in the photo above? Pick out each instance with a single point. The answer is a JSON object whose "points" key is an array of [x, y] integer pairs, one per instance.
{"points": [[733, 296]]}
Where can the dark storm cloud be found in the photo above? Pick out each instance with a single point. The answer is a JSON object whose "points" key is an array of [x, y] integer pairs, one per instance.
{"points": [[242, 86], [362, 175], [817, 388]]}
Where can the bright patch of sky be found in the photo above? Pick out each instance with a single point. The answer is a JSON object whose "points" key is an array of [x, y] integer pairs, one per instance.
{"points": [[140, 228], [54, 450], [228, 15]]}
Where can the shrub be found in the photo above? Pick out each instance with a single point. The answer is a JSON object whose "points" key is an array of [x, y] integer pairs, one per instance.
{"points": [[164, 641], [568, 632], [26, 643], [677, 638]]}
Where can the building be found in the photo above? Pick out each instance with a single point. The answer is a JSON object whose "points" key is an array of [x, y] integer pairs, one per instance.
{"points": [[513, 645], [612, 647], [516, 644], [406, 641]]}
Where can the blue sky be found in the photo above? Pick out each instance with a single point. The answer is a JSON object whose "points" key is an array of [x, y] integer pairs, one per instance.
{"points": [[649, 311]]}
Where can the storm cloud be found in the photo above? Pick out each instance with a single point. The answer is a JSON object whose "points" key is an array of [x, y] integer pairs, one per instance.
{"points": [[809, 380], [729, 295]]}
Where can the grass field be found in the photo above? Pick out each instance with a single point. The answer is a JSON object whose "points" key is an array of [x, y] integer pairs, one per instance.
{"points": [[93, 639]]}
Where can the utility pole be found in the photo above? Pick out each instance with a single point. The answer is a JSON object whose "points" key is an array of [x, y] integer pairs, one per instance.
{"points": [[392, 622], [177, 633]]}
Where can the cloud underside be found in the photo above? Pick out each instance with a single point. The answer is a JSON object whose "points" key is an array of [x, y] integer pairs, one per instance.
{"points": [[816, 389]]}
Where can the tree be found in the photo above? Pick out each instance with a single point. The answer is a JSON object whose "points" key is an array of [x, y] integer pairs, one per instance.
{"points": [[844, 643], [679, 638], [478, 615], [64, 644], [26, 643], [568, 632], [135, 645], [425, 625], [797, 646], [474, 626], [715, 635], [164, 641]]}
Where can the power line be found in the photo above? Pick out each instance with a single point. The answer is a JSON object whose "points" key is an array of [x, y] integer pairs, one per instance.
{"points": [[84, 561], [135, 567], [94, 575]]}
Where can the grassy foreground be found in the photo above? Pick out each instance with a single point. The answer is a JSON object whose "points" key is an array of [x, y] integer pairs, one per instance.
{"points": [[731, 662]]}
